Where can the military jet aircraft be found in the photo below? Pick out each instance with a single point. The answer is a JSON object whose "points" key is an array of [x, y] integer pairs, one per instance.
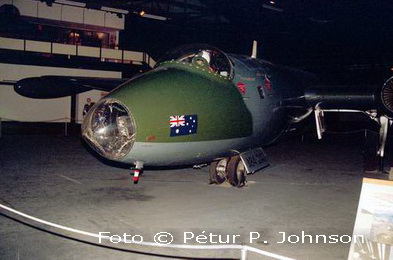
{"points": [[201, 105]]}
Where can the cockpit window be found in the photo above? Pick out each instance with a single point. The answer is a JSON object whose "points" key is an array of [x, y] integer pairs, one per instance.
{"points": [[204, 56]]}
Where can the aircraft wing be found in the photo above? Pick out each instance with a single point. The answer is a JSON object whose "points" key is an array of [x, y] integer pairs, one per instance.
{"points": [[61, 86]]}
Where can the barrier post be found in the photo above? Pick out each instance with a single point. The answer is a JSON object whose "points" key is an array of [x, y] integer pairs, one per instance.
{"points": [[1, 130], [244, 253], [65, 129]]}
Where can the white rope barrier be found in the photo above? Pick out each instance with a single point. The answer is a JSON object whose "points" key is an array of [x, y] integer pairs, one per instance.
{"points": [[244, 249]]}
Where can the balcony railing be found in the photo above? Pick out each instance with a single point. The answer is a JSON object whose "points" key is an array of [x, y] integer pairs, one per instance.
{"points": [[104, 54]]}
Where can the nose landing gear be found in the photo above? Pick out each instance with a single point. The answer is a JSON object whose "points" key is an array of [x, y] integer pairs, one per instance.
{"points": [[231, 169], [136, 171], [218, 171], [236, 172]]}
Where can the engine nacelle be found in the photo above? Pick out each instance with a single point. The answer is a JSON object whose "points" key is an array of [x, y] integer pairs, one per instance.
{"points": [[342, 97], [366, 97]]}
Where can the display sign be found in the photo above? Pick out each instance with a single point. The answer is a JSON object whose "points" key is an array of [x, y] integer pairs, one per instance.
{"points": [[254, 160], [374, 222]]}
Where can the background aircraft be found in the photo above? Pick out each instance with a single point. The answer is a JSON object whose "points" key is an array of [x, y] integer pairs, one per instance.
{"points": [[201, 105]]}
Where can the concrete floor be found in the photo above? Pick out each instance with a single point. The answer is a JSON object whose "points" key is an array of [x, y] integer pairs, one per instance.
{"points": [[312, 187]]}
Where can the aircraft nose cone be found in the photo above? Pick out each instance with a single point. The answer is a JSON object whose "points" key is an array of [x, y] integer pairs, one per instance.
{"points": [[109, 128]]}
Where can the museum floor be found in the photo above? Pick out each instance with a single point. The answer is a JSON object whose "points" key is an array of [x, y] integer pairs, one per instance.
{"points": [[311, 186]]}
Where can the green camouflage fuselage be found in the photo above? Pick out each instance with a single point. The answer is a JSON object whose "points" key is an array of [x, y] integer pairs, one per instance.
{"points": [[177, 89], [233, 114]]}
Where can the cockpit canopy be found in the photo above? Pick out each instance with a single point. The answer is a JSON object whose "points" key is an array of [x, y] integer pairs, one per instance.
{"points": [[202, 55]]}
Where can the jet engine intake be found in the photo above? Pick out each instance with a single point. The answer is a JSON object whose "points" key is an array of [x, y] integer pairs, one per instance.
{"points": [[386, 96]]}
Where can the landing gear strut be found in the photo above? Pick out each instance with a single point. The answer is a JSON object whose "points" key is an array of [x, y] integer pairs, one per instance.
{"points": [[137, 171], [383, 132]]}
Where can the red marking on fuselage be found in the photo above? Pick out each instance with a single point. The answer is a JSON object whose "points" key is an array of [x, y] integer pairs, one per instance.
{"points": [[241, 87], [267, 84]]}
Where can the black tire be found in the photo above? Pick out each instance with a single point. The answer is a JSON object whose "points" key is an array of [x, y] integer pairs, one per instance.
{"points": [[215, 176], [236, 172]]}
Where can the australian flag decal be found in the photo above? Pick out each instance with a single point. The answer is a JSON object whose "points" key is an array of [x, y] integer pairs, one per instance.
{"points": [[183, 125]]}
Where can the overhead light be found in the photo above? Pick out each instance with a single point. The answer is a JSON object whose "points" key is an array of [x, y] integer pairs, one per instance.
{"points": [[151, 16], [100, 35], [273, 8], [155, 17], [272, 2]]}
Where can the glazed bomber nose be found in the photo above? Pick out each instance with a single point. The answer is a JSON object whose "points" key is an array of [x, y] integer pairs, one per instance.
{"points": [[109, 128]]}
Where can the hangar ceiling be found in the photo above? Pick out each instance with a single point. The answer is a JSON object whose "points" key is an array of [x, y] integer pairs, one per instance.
{"points": [[298, 33], [357, 27], [264, 15], [254, 12]]}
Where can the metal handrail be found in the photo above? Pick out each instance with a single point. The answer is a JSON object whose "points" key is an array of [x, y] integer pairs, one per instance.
{"points": [[145, 58]]}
